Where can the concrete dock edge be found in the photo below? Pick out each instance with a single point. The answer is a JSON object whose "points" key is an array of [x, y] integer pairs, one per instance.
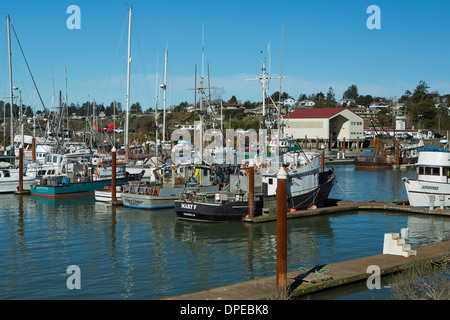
{"points": [[341, 273]]}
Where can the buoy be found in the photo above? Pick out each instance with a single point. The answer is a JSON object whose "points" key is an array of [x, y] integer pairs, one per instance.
{"points": [[292, 210], [313, 207]]}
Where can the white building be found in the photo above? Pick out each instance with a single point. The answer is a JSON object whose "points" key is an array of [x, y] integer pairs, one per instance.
{"points": [[323, 123], [289, 102]]}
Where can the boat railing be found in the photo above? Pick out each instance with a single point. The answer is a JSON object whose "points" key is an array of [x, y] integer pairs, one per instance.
{"points": [[213, 197], [146, 189]]}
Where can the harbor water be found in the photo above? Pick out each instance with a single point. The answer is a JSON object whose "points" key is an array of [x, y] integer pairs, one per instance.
{"points": [[125, 253]]}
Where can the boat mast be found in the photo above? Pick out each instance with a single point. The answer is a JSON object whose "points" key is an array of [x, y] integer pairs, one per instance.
{"points": [[33, 147], [164, 87], [279, 95], [67, 103], [10, 84], [156, 107], [128, 78]]}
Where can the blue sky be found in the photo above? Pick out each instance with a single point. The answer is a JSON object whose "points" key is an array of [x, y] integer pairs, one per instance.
{"points": [[325, 43]]}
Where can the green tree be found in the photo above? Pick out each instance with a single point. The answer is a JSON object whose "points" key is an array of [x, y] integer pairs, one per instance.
{"points": [[302, 96], [331, 98], [421, 92], [351, 92], [364, 100], [135, 108], [233, 100], [319, 96]]}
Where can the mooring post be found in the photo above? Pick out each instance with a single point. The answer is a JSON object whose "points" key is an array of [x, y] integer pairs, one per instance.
{"points": [[251, 190], [397, 153], [33, 150], [281, 231], [317, 143], [113, 175], [357, 146], [322, 161], [343, 148], [21, 168]]}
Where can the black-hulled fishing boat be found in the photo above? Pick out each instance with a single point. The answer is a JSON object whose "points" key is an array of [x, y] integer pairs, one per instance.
{"points": [[229, 204]]}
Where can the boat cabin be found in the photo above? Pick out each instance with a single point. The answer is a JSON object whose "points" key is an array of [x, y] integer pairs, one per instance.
{"points": [[5, 173], [433, 165]]}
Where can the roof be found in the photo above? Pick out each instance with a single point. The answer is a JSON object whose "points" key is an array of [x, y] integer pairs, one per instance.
{"points": [[314, 113]]}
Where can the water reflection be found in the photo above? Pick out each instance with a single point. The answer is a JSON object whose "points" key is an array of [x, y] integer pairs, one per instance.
{"points": [[134, 254]]}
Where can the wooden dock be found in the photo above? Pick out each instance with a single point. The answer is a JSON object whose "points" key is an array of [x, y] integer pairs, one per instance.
{"points": [[316, 278], [337, 206]]}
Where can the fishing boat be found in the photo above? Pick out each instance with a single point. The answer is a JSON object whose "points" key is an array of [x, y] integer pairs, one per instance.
{"points": [[79, 179], [308, 186], [105, 194], [174, 182], [432, 187], [230, 203], [408, 155], [389, 156], [9, 180]]}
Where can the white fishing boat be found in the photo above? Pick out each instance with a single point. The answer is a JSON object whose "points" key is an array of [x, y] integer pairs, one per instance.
{"points": [[431, 189], [9, 180], [172, 181], [307, 186], [105, 195]]}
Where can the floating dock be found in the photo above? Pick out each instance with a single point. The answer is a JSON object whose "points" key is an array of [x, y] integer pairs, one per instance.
{"points": [[314, 279], [337, 206]]}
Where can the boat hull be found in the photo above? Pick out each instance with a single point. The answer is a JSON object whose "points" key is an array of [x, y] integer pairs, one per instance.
{"points": [[215, 212], [77, 189], [148, 202], [165, 199], [427, 194], [106, 195], [316, 197], [368, 162], [9, 186]]}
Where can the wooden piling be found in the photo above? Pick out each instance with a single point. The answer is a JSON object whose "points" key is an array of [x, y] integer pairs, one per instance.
{"points": [[21, 168], [317, 143], [251, 191], [357, 146], [322, 161], [306, 142], [281, 231], [33, 150], [113, 176], [397, 153], [343, 147], [331, 141]]}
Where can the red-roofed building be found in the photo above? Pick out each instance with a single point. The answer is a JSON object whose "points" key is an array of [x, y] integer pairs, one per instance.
{"points": [[325, 122]]}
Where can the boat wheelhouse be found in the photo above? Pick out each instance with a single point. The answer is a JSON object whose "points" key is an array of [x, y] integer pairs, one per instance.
{"points": [[432, 186]]}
